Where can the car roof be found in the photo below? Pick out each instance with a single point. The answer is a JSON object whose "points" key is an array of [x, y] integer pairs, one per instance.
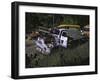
{"points": [[68, 25]]}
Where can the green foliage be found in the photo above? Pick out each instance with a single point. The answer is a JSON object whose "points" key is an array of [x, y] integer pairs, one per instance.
{"points": [[33, 20], [61, 57]]}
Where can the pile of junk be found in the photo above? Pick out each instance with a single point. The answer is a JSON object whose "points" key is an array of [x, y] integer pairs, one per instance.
{"points": [[46, 39]]}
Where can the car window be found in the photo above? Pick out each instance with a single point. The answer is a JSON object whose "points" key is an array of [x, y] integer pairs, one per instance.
{"points": [[64, 34]]}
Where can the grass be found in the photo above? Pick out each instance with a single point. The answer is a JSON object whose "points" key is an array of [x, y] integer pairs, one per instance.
{"points": [[59, 56]]}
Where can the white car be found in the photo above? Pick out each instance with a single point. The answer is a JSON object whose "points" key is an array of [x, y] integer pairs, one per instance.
{"points": [[41, 46], [63, 35], [44, 43], [60, 37]]}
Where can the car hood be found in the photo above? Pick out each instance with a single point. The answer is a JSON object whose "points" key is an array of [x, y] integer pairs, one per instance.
{"points": [[75, 34]]}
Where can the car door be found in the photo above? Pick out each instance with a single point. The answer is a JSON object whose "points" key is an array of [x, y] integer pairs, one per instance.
{"points": [[63, 39]]}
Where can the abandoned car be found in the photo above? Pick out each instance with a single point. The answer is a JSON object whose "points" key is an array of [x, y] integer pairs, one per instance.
{"points": [[58, 36]]}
